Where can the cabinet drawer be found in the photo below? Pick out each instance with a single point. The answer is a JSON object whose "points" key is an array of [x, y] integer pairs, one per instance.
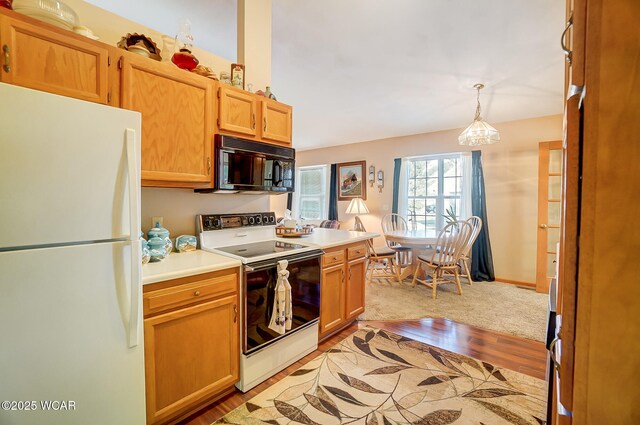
{"points": [[332, 258], [202, 290], [357, 251]]}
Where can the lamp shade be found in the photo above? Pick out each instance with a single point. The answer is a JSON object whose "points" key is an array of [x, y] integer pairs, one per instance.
{"points": [[479, 133], [357, 206]]}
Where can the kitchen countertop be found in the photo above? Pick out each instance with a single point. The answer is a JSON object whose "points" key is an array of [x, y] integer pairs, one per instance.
{"points": [[328, 238], [181, 264], [195, 262]]}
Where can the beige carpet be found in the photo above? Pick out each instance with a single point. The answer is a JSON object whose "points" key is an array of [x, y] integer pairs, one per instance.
{"points": [[375, 377], [497, 306]]}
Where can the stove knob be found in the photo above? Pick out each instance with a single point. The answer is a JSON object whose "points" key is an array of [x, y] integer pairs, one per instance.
{"points": [[258, 219], [252, 220], [265, 218], [216, 222], [272, 219]]}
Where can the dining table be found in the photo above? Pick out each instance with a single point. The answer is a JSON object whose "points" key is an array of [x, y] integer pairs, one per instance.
{"points": [[420, 239]]}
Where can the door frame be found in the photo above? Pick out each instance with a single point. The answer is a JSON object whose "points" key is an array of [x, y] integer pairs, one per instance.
{"points": [[542, 280]]}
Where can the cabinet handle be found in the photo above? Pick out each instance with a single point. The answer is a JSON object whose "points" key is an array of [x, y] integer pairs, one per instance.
{"points": [[253, 121], [265, 124], [335, 258], [197, 293], [5, 50], [342, 274], [566, 50], [235, 313], [208, 165], [552, 346]]}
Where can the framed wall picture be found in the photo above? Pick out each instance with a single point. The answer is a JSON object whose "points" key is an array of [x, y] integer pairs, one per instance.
{"points": [[237, 75], [351, 182]]}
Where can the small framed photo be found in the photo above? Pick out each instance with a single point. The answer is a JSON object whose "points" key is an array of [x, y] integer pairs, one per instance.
{"points": [[237, 75], [351, 182]]}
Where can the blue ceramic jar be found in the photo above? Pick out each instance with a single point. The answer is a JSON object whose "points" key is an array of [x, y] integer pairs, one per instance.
{"points": [[163, 234], [157, 249]]}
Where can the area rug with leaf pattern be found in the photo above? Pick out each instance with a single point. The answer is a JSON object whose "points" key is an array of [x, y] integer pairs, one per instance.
{"points": [[377, 377]]}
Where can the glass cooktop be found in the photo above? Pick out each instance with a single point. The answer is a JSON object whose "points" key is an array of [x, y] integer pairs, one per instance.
{"points": [[257, 249]]}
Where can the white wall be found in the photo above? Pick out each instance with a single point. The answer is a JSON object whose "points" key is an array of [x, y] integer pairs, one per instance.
{"points": [[179, 207], [511, 182], [111, 27], [213, 22]]}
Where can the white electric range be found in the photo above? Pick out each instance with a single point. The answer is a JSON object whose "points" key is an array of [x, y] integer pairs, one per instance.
{"points": [[252, 239]]}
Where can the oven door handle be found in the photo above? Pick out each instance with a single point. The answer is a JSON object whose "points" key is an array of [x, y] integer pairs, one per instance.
{"points": [[249, 269]]}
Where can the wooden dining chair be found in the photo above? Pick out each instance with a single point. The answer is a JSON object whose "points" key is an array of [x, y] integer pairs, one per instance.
{"points": [[394, 222], [381, 262], [476, 225], [445, 257], [330, 224]]}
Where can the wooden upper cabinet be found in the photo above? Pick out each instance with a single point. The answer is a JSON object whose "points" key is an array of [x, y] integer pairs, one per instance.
{"points": [[237, 112], [276, 121], [42, 57], [177, 121]]}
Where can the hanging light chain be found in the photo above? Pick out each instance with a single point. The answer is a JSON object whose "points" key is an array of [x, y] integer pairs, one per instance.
{"points": [[478, 109]]}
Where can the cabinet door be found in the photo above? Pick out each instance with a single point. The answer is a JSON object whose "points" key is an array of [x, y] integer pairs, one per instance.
{"points": [[50, 60], [237, 111], [355, 288], [332, 298], [190, 354], [177, 114], [276, 122]]}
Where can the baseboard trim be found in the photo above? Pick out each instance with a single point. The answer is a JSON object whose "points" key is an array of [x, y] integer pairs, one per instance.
{"points": [[515, 282]]}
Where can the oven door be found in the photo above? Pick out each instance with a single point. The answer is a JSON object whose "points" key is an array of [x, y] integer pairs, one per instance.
{"points": [[258, 298]]}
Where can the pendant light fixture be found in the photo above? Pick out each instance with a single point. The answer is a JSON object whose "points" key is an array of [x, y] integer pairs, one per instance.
{"points": [[479, 132]]}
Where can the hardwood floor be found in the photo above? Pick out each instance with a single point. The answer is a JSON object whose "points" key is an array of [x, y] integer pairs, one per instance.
{"points": [[522, 355]]}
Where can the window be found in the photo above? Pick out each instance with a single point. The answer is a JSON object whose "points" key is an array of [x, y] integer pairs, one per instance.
{"points": [[435, 189], [312, 192]]}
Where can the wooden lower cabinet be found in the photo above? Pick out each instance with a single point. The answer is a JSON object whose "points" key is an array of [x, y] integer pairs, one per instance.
{"points": [[191, 336], [332, 298], [342, 287], [354, 290]]}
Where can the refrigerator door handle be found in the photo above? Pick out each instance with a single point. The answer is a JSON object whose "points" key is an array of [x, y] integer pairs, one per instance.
{"points": [[134, 229]]}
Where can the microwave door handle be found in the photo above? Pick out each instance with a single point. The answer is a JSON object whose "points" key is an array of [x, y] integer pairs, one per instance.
{"points": [[277, 173]]}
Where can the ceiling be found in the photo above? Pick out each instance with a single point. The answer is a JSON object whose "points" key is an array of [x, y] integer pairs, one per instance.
{"points": [[358, 70], [362, 70]]}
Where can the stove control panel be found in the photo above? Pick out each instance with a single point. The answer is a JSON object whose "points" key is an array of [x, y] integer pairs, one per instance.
{"points": [[229, 221]]}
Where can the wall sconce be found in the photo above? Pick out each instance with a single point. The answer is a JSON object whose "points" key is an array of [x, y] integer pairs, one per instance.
{"points": [[372, 175], [380, 181]]}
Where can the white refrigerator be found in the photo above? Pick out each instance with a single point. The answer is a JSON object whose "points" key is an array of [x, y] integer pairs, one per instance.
{"points": [[71, 344]]}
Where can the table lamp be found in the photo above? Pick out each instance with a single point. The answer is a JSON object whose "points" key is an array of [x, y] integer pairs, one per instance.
{"points": [[357, 206]]}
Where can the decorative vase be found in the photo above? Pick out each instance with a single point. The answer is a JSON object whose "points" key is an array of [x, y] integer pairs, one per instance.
{"points": [[183, 58]]}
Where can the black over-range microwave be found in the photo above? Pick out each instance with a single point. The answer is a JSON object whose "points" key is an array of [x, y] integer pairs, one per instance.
{"points": [[247, 166]]}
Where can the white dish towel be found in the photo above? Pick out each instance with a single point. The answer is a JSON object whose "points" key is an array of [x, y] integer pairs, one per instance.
{"points": [[282, 313]]}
